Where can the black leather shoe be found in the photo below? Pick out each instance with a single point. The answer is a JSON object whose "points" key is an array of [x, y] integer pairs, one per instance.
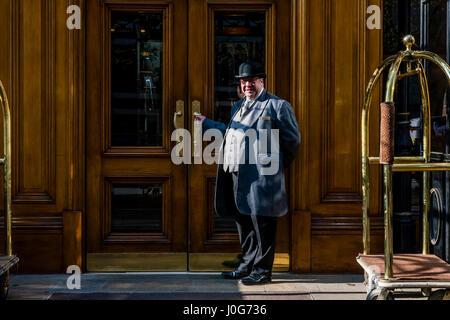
{"points": [[235, 275], [254, 279]]}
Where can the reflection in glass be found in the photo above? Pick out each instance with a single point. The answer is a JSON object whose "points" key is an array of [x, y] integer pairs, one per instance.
{"points": [[136, 208], [136, 78], [437, 43], [427, 21], [238, 37], [399, 18]]}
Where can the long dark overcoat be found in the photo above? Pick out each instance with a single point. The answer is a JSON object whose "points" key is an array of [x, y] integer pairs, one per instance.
{"points": [[261, 187]]}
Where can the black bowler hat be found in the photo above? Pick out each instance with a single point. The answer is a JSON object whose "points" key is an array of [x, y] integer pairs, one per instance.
{"points": [[250, 69]]}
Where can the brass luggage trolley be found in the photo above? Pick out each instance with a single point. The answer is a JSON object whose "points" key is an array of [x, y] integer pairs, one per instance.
{"points": [[385, 273], [8, 260]]}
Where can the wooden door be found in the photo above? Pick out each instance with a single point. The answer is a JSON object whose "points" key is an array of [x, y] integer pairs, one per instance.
{"points": [[223, 34], [136, 197], [147, 60]]}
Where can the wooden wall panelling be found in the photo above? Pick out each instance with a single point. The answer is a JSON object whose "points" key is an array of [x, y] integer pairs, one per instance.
{"points": [[336, 78], [74, 201], [315, 70], [301, 242], [34, 120], [93, 63], [44, 256], [316, 96], [299, 171], [72, 239], [336, 252], [37, 243], [341, 53], [75, 113], [42, 68], [336, 241]]}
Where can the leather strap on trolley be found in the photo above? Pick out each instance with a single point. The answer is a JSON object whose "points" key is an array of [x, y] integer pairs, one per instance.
{"points": [[387, 111]]}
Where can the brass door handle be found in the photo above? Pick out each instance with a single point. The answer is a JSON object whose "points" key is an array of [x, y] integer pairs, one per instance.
{"points": [[197, 140], [196, 108], [178, 121], [178, 116]]}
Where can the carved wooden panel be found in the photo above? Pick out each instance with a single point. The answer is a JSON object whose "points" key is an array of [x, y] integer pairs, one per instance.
{"points": [[213, 223], [334, 55], [154, 184], [37, 241], [337, 251], [39, 251], [337, 93], [34, 125]]}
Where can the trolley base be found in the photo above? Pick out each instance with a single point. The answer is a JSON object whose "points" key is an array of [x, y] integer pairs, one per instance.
{"points": [[419, 271], [6, 263]]}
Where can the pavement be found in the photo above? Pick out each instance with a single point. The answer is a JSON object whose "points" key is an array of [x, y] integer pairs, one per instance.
{"points": [[184, 286]]}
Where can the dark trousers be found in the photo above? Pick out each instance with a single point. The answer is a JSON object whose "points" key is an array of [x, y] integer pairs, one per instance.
{"points": [[257, 235]]}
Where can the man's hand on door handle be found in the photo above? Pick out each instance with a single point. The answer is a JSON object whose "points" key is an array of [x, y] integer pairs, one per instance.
{"points": [[199, 119]]}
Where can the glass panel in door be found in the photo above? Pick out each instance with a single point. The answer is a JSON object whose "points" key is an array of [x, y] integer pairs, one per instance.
{"points": [[136, 78]]}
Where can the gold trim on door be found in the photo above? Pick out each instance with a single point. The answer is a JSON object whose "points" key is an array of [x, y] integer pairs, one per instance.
{"points": [[139, 262], [213, 261], [152, 262]]}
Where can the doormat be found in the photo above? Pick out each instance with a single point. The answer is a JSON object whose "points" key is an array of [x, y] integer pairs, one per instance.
{"points": [[179, 296]]}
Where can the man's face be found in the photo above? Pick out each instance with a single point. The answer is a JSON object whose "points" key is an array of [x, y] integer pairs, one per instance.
{"points": [[252, 86]]}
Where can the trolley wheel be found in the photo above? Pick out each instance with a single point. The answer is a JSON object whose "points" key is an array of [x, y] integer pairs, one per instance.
{"points": [[426, 292], [380, 294], [437, 295], [386, 294], [3, 287], [373, 294]]}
